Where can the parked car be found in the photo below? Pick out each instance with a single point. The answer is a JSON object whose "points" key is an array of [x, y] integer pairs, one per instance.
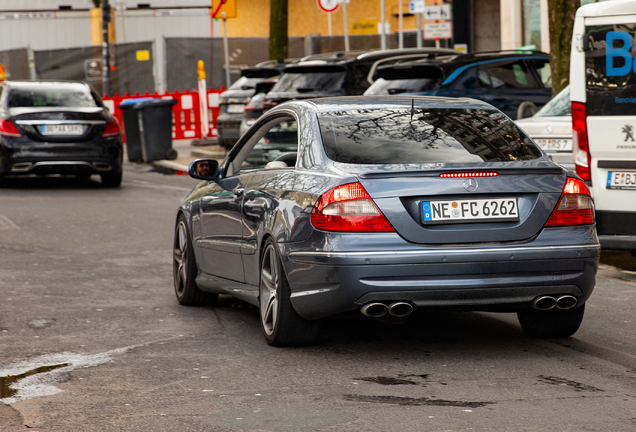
{"points": [[233, 100], [254, 108], [58, 127], [335, 74], [504, 79], [551, 129], [386, 206]]}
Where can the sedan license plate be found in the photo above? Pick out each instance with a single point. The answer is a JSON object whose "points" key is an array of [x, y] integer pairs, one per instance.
{"points": [[466, 211], [62, 129], [621, 180], [554, 144], [235, 108]]}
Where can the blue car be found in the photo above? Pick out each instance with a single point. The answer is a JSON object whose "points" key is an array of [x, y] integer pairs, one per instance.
{"points": [[386, 206], [504, 79]]}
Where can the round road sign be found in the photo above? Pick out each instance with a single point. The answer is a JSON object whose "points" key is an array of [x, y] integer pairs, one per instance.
{"points": [[328, 6]]}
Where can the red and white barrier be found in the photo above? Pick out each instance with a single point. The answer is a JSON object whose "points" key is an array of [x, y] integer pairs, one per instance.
{"points": [[186, 115]]}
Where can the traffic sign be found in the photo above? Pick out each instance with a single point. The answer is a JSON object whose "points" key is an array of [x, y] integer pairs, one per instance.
{"points": [[328, 6], [440, 30], [227, 6], [437, 12], [416, 6]]}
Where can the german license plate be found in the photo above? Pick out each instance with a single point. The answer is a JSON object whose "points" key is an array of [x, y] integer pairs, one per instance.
{"points": [[62, 129], [621, 180], [465, 211], [235, 108], [554, 144]]}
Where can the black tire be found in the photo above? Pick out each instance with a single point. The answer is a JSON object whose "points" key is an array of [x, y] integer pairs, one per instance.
{"points": [[553, 323], [111, 179], [171, 154], [184, 269], [281, 324]]}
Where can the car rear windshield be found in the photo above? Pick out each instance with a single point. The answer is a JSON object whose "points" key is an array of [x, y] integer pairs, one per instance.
{"points": [[382, 86], [405, 136], [559, 105], [63, 96], [312, 81], [244, 83]]}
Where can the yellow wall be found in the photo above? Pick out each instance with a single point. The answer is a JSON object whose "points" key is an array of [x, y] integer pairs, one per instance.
{"points": [[305, 17]]}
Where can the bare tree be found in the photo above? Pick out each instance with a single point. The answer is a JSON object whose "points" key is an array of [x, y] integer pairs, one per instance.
{"points": [[278, 43], [561, 17]]}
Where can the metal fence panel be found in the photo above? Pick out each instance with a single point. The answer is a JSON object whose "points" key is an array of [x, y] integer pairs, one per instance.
{"points": [[16, 63], [182, 55], [130, 74]]}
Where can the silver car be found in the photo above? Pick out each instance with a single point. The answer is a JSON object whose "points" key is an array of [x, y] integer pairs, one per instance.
{"points": [[385, 206], [551, 129]]}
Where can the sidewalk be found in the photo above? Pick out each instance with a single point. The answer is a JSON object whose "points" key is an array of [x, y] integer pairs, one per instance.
{"points": [[187, 153]]}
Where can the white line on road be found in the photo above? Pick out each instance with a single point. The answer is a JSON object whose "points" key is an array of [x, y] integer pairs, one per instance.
{"points": [[6, 223]]}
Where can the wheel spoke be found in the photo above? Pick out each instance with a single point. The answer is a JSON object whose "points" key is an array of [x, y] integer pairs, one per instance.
{"points": [[268, 291]]}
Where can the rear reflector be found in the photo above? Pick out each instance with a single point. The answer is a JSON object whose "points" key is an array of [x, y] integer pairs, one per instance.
{"points": [[348, 208], [469, 174], [575, 206], [111, 129], [8, 129], [580, 145]]}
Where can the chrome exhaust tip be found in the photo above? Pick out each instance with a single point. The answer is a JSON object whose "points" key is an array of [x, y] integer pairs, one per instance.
{"points": [[544, 303], [22, 167], [566, 302], [400, 309], [374, 310], [102, 166]]}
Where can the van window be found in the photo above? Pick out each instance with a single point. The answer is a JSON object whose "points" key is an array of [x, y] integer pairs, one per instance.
{"points": [[609, 70]]}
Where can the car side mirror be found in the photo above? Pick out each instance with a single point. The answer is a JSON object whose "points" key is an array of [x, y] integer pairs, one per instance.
{"points": [[203, 169]]}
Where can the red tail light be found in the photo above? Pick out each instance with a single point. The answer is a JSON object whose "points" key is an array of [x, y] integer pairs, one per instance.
{"points": [[268, 105], [348, 208], [582, 157], [111, 129], [575, 206], [8, 129]]}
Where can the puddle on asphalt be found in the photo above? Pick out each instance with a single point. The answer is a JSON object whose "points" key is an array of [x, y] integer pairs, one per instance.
{"points": [[5, 382]]}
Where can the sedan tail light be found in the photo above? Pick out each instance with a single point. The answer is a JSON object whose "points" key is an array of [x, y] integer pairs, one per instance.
{"points": [[112, 129], [582, 157], [575, 206], [8, 129], [348, 208]]}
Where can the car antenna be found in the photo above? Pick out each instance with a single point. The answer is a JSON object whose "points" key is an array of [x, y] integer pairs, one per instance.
{"points": [[412, 108]]}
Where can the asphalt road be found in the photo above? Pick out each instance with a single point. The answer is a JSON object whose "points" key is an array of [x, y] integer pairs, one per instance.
{"points": [[92, 335]]}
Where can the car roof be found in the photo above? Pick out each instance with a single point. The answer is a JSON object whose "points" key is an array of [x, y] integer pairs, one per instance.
{"points": [[457, 64], [343, 57], [25, 84], [329, 104]]}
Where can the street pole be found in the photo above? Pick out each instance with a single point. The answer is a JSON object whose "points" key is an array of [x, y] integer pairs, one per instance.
{"points": [[383, 29], [346, 30], [401, 21], [107, 86], [228, 81], [419, 31]]}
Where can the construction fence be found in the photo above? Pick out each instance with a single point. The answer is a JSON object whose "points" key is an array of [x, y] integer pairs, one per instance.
{"points": [[134, 69]]}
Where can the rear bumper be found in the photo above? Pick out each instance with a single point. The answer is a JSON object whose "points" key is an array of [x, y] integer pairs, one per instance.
{"points": [[620, 242], [505, 278], [61, 158]]}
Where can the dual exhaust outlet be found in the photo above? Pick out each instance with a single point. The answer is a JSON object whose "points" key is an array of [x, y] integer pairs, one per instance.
{"points": [[545, 303], [378, 310]]}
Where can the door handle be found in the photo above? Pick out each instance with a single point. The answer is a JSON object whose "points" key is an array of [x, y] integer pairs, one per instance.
{"points": [[239, 191]]}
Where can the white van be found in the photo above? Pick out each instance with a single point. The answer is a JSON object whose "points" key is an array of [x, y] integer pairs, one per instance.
{"points": [[603, 94]]}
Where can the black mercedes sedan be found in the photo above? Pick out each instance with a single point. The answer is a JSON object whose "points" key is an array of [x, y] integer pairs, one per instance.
{"points": [[386, 206], [58, 127]]}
